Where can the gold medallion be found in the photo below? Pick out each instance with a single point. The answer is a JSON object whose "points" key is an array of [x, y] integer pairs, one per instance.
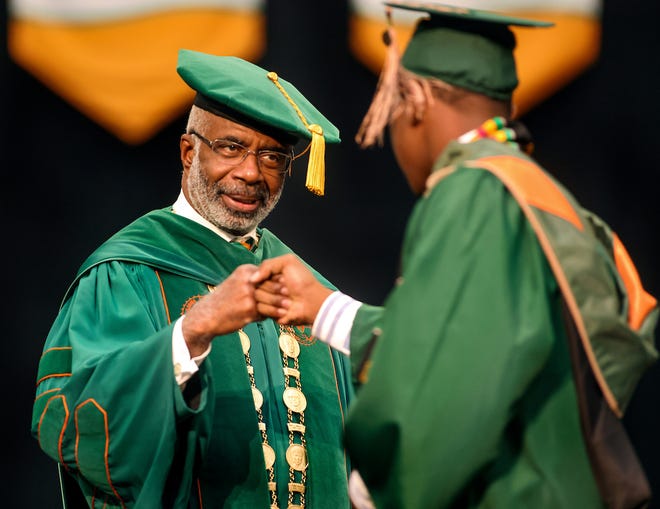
{"points": [[258, 398], [289, 345], [294, 399], [245, 341], [269, 456], [296, 457]]}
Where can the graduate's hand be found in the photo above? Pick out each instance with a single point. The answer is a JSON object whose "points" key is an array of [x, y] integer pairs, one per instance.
{"points": [[230, 306], [287, 291]]}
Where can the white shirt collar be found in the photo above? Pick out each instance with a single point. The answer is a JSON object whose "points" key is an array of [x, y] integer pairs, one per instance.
{"points": [[182, 208]]}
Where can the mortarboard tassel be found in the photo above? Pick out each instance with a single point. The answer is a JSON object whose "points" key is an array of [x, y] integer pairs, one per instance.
{"points": [[316, 166], [382, 105]]}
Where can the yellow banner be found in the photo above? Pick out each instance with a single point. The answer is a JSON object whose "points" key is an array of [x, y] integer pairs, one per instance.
{"points": [[547, 58], [115, 60]]}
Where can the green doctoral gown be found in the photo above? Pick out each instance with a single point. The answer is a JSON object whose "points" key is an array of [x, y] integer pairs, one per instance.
{"points": [[109, 410], [470, 400]]}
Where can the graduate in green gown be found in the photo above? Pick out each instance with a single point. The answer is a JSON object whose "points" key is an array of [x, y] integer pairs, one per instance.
{"points": [[496, 372], [160, 384]]}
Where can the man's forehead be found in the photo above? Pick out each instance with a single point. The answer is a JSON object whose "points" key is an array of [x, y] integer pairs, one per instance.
{"points": [[222, 127], [217, 110]]}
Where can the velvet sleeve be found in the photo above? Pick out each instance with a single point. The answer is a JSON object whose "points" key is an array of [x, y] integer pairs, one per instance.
{"points": [[107, 405]]}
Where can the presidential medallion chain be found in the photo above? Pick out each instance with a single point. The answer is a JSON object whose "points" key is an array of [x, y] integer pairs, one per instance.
{"points": [[295, 402], [269, 452]]}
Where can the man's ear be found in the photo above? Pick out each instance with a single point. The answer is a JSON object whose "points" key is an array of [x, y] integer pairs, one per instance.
{"points": [[187, 149]]}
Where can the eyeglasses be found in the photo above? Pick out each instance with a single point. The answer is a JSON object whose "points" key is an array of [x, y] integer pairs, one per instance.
{"points": [[233, 154]]}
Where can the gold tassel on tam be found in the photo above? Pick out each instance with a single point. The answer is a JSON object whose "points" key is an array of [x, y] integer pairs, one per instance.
{"points": [[384, 100], [316, 166]]}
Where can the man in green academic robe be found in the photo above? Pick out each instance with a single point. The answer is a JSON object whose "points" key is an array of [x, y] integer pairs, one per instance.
{"points": [[161, 385], [496, 371]]}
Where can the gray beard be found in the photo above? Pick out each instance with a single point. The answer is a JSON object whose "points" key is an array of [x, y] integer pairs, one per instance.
{"points": [[206, 199]]}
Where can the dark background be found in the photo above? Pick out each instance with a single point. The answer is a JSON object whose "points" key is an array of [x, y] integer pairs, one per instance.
{"points": [[69, 184]]}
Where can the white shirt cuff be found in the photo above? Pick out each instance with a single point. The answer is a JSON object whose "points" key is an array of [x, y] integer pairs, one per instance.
{"points": [[184, 365], [358, 492], [334, 321]]}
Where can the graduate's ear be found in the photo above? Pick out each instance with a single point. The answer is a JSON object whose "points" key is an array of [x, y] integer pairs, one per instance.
{"points": [[187, 148]]}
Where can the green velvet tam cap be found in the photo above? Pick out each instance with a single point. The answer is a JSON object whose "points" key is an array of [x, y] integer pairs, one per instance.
{"points": [[247, 94], [232, 87], [468, 48]]}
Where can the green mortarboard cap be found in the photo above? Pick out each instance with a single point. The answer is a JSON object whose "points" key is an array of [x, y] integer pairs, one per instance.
{"points": [[468, 48], [245, 93]]}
